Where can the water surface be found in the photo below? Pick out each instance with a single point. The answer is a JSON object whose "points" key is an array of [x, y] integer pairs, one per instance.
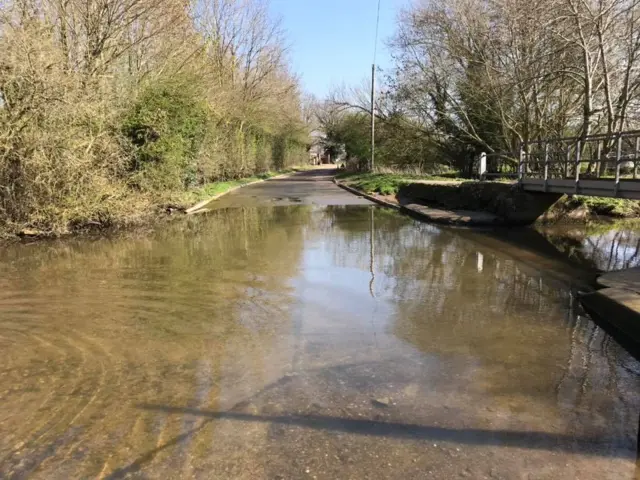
{"points": [[602, 247], [304, 342]]}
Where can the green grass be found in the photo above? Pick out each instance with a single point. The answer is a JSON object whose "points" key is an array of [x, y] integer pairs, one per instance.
{"points": [[211, 190], [388, 183], [613, 207]]}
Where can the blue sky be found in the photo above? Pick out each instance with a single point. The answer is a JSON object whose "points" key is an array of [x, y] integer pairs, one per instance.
{"points": [[332, 41]]}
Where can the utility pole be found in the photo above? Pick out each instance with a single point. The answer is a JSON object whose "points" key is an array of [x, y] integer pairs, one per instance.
{"points": [[373, 116], [373, 93]]}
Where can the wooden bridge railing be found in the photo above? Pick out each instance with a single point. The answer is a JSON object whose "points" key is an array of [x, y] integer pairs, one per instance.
{"points": [[566, 162]]}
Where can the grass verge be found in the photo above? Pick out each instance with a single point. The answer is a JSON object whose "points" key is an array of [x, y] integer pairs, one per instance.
{"points": [[388, 183], [211, 190], [570, 209], [611, 207]]}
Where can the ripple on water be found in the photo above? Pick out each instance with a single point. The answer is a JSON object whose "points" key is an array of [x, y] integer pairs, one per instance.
{"points": [[262, 343]]}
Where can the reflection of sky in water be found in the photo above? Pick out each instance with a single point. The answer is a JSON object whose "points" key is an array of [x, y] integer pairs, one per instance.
{"points": [[267, 317], [613, 250], [337, 295], [418, 262]]}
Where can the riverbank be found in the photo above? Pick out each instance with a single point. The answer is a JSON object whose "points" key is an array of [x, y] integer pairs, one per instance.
{"points": [[450, 200], [447, 199], [144, 209], [192, 200]]}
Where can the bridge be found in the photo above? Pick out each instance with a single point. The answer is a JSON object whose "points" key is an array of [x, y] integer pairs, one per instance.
{"points": [[603, 165]]}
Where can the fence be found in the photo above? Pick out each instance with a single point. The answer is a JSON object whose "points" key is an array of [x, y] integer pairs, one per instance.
{"points": [[499, 165], [570, 160], [605, 156]]}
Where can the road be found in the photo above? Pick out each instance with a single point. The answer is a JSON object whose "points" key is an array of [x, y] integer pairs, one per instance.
{"points": [[314, 186], [298, 332]]}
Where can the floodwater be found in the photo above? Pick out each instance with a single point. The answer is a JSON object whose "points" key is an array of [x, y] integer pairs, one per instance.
{"points": [[604, 247], [306, 340]]}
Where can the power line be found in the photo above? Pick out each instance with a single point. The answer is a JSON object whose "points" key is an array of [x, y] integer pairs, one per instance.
{"points": [[375, 43]]}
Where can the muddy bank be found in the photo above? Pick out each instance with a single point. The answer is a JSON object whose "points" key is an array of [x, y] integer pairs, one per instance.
{"points": [[146, 217], [516, 206], [602, 247], [506, 201], [581, 209]]}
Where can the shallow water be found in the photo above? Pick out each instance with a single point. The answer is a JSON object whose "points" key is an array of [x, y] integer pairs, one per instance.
{"points": [[304, 342], [603, 247]]}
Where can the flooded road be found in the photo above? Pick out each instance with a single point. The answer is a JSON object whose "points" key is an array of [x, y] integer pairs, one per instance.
{"points": [[303, 340]]}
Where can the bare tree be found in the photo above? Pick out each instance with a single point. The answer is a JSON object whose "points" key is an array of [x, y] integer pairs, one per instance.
{"points": [[493, 74]]}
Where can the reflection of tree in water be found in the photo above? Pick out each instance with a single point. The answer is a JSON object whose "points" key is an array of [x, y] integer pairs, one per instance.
{"points": [[354, 220], [197, 252], [459, 300], [599, 376], [605, 247], [518, 325], [352, 247], [137, 318]]}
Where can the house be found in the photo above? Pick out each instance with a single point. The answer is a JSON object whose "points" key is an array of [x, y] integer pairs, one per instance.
{"points": [[317, 149], [323, 151]]}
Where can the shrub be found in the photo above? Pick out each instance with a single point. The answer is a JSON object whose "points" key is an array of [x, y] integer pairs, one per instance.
{"points": [[164, 131], [59, 163]]}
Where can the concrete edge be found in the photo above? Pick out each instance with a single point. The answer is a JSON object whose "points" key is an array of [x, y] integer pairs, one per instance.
{"points": [[197, 208], [371, 198], [451, 217], [452, 220], [617, 308]]}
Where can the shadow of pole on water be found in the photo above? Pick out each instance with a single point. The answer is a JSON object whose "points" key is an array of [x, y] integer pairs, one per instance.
{"points": [[592, 446], [137, 464]]}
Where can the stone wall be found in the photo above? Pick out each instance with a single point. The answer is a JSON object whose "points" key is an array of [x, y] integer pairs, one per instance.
{"points": [[508, 201]]}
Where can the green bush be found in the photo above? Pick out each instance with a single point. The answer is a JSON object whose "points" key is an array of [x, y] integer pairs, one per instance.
{"points": [[614, 207], [164, 130]]}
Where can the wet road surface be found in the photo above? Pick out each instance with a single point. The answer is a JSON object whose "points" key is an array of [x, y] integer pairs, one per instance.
{"points": [[312, 187], [308, 340]]}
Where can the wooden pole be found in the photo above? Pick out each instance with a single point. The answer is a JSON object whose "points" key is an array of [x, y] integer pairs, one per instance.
{"points": [[372, 231], [373, 117], [577, 172]]}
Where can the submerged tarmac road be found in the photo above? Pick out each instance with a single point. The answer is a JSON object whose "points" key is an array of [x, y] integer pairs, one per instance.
{"points": [[296, 331], [313, 187]]}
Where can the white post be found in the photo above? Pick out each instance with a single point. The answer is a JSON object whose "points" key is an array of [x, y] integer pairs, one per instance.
{"points": [[483, 166], [521, 165], [618, 164], [635, 158], [546, 166]]}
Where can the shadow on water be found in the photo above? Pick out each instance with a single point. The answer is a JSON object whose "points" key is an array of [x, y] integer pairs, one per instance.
{"points": [[255, 342], [633, 349], [148, 457], [546, 253], [602, 247], [468, 436]]}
